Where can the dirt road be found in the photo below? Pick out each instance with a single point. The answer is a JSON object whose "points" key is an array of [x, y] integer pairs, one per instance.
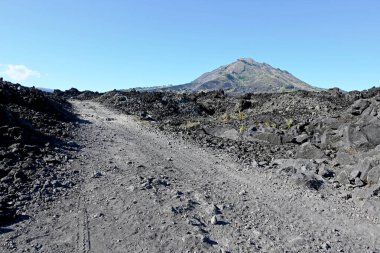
{"points": [[144, 191]]}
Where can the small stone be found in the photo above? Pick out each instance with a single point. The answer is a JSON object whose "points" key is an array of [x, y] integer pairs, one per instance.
{"points": [[354, 174], [98, 215], [242, 192], [254, 163], [263, 163], [301, 138], [326, 245], [131, 188], [97, 174], [214, 220], [346, 195], [342, 178], [194, 222], [359, 182], [212, 209]]}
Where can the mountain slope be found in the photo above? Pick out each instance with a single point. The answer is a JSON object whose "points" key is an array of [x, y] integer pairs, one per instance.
{"points": [[247, 75]]}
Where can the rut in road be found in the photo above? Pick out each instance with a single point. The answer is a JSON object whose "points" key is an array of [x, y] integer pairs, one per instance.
{"points": [[146, 191]]}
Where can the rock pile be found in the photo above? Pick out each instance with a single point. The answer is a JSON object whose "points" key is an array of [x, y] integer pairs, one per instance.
{"points": [[34, 138], [318, 137]]}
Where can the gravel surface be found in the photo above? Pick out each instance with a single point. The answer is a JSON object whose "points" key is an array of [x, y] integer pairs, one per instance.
{"points": [[142, 190]]}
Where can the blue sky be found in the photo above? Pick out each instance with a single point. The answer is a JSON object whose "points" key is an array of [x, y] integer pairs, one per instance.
{"points": [[104, 45]]}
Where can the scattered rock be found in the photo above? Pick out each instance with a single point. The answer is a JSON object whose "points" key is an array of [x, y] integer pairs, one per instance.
{"points": [[243, 192], [359, 182], [359, 106], [302, 138], [342, 178], [97, 174], [309, 151], [35, 127], [373, 175], [325, 245], [214, 220], [354, 174]]}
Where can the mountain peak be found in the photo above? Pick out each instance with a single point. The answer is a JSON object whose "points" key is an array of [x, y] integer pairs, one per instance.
{"points": [[248, 61], [247, 75]]}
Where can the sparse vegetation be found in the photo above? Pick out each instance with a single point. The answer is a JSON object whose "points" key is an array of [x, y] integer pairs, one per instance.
{"points": [[242, 115], [190, 124], [288, 123], [241, 129]]}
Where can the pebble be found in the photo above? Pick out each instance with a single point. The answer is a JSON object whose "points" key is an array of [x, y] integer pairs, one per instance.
{"points": [[214, 220], [242, 192], [325, 245]]}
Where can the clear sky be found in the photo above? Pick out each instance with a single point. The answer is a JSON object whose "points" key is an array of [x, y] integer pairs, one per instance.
{"points": [[115, 44]]}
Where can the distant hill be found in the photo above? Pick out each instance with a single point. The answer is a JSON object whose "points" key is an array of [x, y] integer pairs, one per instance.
{"points": [[246, 75], [45, 89]]}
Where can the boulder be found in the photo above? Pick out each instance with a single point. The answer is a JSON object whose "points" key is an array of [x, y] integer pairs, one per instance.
{"points": [[301, 138], [373, 175], [330, 138], [364, 166], [345, 158], [309, 151], [273, 138], [359, 106], [353, 137], [308, 179], [372, 133], [223, 132]]}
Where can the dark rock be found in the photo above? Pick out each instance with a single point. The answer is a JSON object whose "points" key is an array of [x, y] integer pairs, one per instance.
{"points": [[326, 173], [29, 118], [309, 180], [307, 150], [6, 214], [359, 106], [372, 133]]}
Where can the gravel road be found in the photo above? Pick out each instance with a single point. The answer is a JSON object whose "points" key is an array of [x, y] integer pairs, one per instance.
{"points": [[145, 191]]}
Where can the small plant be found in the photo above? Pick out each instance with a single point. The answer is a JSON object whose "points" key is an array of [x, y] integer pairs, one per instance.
{"points": [[241, 115], [266, 124], [288, 123], [274, 125], [241, 129], [282, 89], [190, 125]]}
